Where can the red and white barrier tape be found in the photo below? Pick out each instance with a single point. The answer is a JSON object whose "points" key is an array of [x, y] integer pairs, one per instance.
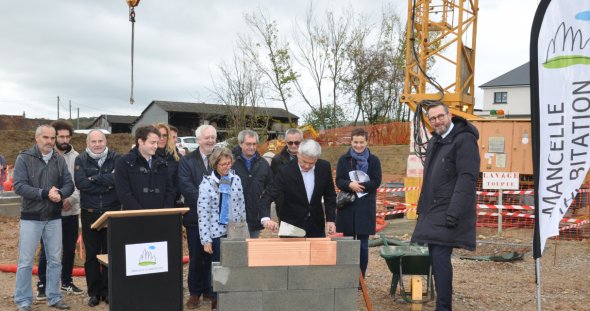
{"points": [[505, 206], [505, 192], [396, 212], [525, 216], [576, 225], [397, 189], [478, 192]]}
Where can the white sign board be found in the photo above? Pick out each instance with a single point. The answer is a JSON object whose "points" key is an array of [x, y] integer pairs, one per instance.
{"points": [[500, 180], [146, 258], [414, 167]]}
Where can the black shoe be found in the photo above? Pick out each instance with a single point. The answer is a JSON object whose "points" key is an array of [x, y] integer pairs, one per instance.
{"points": [[60, 304], [71, 289], [94, 301], [106, 299], [41, 292]]}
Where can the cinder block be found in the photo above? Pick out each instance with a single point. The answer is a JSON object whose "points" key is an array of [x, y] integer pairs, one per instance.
{"points": [[234, 254], [320, 277], [348, 252], [342, 238], [248, 279], [233, 239], [216, 264], [298, 300], [345, 299], [239, 301]]}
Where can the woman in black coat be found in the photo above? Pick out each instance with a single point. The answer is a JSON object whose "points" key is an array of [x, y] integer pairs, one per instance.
{"points": [[167, 150], [359, 219]]}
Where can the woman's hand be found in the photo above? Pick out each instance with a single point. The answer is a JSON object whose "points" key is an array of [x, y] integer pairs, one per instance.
{"points": [[208, 248], [356, 186]]}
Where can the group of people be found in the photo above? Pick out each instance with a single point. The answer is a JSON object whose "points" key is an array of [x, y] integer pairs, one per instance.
{"points": [[221, 187]]}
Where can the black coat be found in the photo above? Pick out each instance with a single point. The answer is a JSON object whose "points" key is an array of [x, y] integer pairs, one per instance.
{"points": [[190, 177], [142, 187], [172, 168], [451, 171], [296, 207], [253, 182], [360, 216], [99, 194], [277, 161]]}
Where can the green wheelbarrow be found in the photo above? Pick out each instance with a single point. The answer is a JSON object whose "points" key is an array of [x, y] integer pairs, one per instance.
{"points": [[409, 260]]}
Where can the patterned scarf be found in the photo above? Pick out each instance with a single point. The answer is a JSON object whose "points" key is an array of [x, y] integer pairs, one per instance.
{"points": [[362, 163], [224, 189], [100, 158]]}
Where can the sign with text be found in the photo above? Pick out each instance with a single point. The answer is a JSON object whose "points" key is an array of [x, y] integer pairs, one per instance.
{"points": [[414, 167], [499, 180], [146, 258]]}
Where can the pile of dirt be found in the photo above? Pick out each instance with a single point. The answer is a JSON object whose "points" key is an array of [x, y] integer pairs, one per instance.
{"points": [[12, 142], [393, 158]]}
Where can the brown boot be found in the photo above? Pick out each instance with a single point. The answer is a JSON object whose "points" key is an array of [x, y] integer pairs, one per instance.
{"points": [[193, 302], [207, 296]]}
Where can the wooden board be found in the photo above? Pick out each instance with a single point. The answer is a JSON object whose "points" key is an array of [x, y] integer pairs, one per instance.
{"points": [[104, 259], [274, 254], [102, 221], [412, 196], [277, 240], [323, 253]]}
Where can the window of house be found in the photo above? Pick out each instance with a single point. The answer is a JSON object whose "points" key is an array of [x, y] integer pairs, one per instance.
{"points": [[500, 97]]}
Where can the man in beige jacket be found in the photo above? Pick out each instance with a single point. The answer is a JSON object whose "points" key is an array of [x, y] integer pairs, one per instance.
{"points": [[69, 217]]}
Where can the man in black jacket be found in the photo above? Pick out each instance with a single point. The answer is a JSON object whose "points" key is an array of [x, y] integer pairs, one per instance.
{"points": [[447, 203], [42, 179], [141, 177], [293, 138], [94, 178], [255, 174], [303, 182], [191, 170]]}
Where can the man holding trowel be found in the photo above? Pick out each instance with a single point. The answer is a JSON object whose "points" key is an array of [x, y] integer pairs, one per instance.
{"points": [[303, 183]]}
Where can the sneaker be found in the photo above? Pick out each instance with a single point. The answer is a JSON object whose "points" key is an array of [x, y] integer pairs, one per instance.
{"points": [[60, 304], [214, 304], [71, 289], [24, 308], [41, 292]]}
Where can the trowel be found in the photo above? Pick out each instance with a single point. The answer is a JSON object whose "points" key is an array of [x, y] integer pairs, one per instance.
{"points": [[287, 229]]}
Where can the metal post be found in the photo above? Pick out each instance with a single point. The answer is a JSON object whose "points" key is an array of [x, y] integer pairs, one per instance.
{"points": [[70, 109], [538, 270], [78, 123], [500, 213], [58, 108]]}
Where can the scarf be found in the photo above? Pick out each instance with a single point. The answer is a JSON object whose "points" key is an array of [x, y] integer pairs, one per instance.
{"points": [[100, 158], [47, 157], [224, 189], [362, 163]]}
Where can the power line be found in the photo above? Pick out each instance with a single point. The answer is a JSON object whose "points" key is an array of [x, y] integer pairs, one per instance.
{"points": [[24, 100], [94, 108]]}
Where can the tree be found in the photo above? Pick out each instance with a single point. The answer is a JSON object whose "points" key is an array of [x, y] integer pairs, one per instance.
{"points": [[312, 118], [277, 65]]}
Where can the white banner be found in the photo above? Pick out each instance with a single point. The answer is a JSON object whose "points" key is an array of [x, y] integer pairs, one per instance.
{"points": [[563, 51], [146, 258]]}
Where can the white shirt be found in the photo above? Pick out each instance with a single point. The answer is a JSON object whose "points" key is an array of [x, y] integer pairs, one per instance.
{"points": [[205, 159], [450, 129]]}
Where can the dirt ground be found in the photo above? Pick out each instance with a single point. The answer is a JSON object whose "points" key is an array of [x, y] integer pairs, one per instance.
{"points": [[393, 158], [477, 285]]}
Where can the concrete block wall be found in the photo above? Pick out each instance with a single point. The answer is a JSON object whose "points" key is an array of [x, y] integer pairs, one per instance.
{"points": [[292, 288]]}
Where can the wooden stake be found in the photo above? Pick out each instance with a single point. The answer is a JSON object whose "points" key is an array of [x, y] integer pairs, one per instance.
{"points": [[555, 254], [365, 294]]}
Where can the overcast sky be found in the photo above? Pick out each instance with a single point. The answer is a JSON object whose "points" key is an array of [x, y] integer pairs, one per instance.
{"points": [[80, 50]]}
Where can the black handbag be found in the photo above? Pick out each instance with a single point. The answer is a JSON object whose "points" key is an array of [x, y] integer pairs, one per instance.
{"points": [[345, 198]]}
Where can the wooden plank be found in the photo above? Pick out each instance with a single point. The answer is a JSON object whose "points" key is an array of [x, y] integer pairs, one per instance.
{"points": [[104, 259], [102, 221], [323, 253], [412, 196], [275, 254], [277, 240], [365, 293]]}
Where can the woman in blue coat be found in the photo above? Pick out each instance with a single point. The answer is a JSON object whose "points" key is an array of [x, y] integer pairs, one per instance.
{"points": [[359, 219]]}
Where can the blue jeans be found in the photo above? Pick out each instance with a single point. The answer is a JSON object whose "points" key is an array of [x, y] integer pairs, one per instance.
{"points": [[254, 234], [214, 258], [199, 265], [311, 231], [442, 270], [31, 231], [364, 256], [69, 233]]}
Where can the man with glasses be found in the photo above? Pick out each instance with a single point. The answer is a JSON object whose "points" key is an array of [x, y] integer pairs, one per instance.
{"points": [[255, 175], [69, 218], [447, 204], [293, 138]]}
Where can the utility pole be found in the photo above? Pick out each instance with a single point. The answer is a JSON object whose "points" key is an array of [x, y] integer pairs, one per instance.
{"points": [[78, 123], [70, 109], [58, 108]]}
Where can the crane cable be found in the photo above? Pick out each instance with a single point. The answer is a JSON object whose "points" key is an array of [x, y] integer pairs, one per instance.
{"points": [[418, 121], [132, 20]]}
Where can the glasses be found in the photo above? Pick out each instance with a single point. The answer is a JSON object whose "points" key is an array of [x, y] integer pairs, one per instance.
{"points": [[228, 164], [290, 143], [440, 117], [250, 145], [64, 137]]}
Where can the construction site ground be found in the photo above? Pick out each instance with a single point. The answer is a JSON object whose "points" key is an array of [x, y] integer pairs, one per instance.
{"points": [[478, 285]]}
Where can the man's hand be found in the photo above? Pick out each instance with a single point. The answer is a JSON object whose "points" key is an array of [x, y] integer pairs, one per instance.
{"points": [[270, 225], [331, 227], [54, 195], [356, 186], [67, 205], [452, 222], [208, 248]]}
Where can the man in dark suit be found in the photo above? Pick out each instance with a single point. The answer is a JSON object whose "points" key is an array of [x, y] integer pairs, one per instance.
{"points": [[303, 183]]}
